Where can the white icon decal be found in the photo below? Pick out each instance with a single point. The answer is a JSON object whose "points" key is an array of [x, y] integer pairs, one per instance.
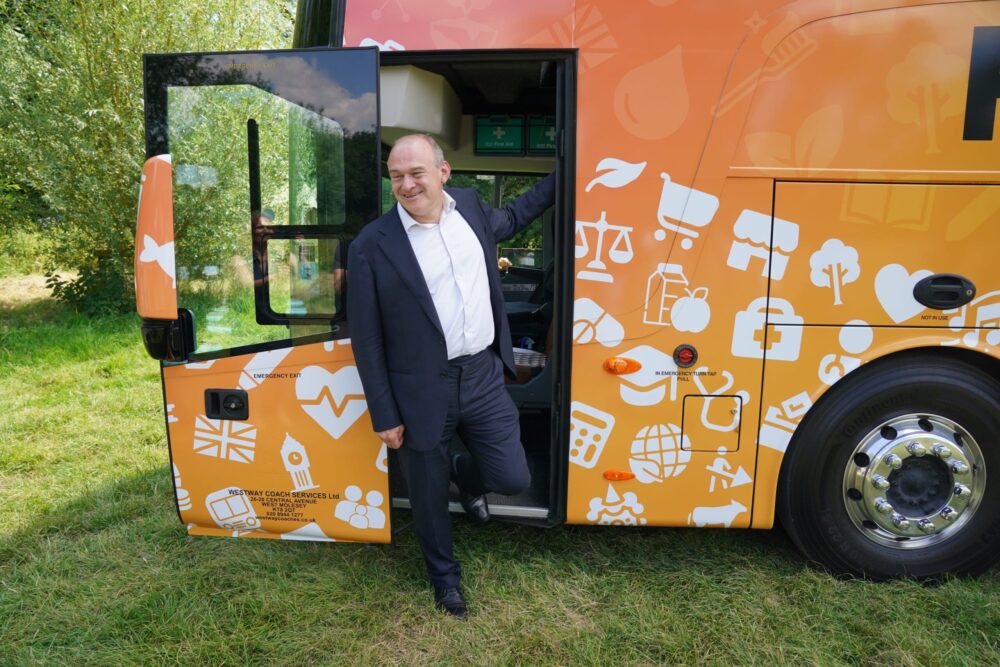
{"points": [[230, 508], [296, 461], [363, 516], [311, 532], [593, 323], [834, 265], [617, 173], [161, 254], [615, 510], [894, 289], [716, 516], [987, 319], [647, 386], [589, 430], [382, 459], [387, 45], [261, 366], [225, 439], [620, 251], [335, 400], [183, 497], [742, 395], [659, 452], [171, 418], [784, 340], [722, 473], [329, 345], [663, 287], [692, 313], [680, 206], [855, 338], [781, 421], [753, 239], [199, 365]]}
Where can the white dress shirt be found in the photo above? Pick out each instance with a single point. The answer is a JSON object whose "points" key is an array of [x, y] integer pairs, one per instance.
{"points": [[451, 259]]}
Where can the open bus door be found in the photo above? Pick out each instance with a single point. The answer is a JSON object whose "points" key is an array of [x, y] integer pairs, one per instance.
{"points": [[260, 169]]}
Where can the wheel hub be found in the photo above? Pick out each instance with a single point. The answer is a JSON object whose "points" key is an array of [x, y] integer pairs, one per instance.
{"points": [[914, 481], [920, 486]]}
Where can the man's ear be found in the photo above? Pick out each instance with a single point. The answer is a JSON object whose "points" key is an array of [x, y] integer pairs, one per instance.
{"points": [[445, 172]]}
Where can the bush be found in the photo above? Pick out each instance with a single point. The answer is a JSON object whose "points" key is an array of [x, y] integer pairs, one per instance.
{"points": [[71, 85]]}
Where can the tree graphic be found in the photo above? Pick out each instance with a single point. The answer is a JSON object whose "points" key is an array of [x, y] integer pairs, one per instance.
{"points": [[834, 265], [926, 88]]}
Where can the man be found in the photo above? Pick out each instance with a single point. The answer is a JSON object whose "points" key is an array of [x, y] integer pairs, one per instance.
{"points": [[432, 342]]}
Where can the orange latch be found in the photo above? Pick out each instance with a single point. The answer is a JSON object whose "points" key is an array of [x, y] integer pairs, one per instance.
{"points": [[618, 475], [621, 365]]}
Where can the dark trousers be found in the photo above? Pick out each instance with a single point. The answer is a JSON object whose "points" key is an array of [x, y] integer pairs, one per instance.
{"points": [[483, 415]]}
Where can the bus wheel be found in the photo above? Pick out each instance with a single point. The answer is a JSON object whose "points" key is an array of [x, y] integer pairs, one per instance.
{"points": [[896, 472]]}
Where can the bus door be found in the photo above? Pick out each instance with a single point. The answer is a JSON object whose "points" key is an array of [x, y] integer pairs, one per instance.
{"points": [[261, 168]]}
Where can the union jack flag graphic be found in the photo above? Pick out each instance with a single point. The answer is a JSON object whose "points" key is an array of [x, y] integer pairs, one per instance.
{"points": [[225, 439]]}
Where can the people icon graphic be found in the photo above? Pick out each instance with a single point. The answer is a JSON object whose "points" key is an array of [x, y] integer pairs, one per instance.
{"points": [[360, 515]]}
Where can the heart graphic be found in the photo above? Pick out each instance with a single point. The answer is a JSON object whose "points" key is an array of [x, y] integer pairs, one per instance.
{"points": [[334, 400], [894, 289]]}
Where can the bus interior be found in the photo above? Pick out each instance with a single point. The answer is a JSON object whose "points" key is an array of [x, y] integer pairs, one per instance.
{"points": [[460, 100]]}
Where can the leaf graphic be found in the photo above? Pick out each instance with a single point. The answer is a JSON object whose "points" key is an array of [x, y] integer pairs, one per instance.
{"points": [[819, 138], [646, 472], [769, 149], [618, 173]]}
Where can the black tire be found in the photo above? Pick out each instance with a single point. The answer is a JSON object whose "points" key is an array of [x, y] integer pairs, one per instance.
{"points": [[843, 441]]}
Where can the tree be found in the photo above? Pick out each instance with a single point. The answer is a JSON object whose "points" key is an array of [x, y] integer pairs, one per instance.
{"points": [[72, 113], [926, 88], [834, 265]]}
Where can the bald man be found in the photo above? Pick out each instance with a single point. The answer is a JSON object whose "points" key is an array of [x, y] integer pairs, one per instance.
{"points": [[432, 343]]}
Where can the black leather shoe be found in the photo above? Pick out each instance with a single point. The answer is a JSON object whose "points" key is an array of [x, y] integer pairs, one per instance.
{"points": [[451, 601], [475, 506]]}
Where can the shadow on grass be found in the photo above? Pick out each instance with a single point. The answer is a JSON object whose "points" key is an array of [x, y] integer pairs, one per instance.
{"points": [[139, 510]]}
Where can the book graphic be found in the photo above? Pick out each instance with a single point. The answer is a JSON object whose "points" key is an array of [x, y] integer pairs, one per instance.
{"points": [[890, 205]]}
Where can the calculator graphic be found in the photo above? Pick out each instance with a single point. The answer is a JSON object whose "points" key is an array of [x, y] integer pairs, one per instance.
{"points": [[589, 429]]}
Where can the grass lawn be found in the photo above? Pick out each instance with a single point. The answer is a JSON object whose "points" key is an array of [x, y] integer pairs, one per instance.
{"points": [[95, 567]]}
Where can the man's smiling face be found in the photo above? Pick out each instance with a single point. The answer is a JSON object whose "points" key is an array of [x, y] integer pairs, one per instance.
{"points": [[417, 180]]}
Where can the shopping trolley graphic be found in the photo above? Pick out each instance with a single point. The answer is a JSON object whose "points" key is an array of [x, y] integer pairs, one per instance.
{"points": [[684, 210]]}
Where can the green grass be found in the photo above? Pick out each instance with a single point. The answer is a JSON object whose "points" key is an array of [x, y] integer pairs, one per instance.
{"points": [[96, 569]]}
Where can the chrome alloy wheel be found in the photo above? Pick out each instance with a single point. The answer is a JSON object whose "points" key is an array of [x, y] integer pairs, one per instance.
{"points": [[914, 481]]}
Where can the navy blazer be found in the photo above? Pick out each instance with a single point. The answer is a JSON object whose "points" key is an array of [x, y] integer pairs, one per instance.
{"points": [[396, 336]]}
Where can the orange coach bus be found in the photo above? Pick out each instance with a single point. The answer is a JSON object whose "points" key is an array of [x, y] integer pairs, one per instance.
{"points": [[765, 290]]}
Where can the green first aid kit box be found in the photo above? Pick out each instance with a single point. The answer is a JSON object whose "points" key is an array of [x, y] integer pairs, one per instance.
{"points": [[499, 135], [541, 135]]}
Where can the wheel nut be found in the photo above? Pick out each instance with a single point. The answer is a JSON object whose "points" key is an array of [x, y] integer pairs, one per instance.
{"points": [[900, 521], [880, 482], [882, 506], [926, 526], [961, 491], [893, 461], [941, 451], [916, 448], [958, 467], [948, 514]]}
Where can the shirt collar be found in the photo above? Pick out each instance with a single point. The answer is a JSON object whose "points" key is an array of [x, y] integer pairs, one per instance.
{"points": [[408, 221]]}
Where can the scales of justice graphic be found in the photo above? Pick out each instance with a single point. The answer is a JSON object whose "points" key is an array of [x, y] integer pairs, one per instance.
{"points": [[620, 251]]}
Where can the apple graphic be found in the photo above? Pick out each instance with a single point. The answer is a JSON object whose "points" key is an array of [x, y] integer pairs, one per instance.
{"points": [[691, 312]]}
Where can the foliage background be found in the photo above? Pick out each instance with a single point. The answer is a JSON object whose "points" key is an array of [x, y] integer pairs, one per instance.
{"points": [[72, 126]]}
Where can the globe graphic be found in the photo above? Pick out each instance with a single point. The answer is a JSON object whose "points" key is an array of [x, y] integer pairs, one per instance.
{"points": [[657, 453]]}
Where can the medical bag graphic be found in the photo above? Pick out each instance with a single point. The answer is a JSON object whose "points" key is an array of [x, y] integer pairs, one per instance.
{"points": [[783, 341]]}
